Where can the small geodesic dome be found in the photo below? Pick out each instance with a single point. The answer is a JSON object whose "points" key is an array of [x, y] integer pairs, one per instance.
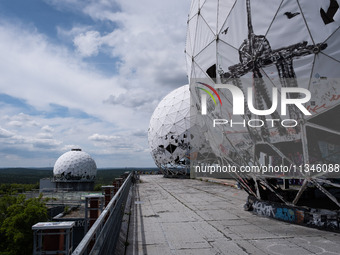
{"points": [[75, 165]]}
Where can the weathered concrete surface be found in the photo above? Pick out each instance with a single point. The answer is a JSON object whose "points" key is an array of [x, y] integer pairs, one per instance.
{"points": [[172, 216]]}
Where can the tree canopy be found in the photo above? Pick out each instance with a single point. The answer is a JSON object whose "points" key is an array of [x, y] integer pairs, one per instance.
{"points": [[17, 216]]}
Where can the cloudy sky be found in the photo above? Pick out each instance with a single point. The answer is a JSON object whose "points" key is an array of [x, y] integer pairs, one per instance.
{"points": [[88, 74]]}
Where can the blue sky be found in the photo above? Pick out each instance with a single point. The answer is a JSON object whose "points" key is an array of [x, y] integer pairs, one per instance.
{"points": [[88, 74]]}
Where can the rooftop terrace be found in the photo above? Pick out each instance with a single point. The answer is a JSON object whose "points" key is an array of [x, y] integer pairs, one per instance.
{"points": [[173, 216]]}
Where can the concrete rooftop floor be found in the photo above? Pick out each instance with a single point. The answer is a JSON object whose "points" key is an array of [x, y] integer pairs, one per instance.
{"points": [[174, 216]]}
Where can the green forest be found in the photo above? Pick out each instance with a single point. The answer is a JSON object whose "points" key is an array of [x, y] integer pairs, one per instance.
{"points": [[17, 216], [24, 175]]}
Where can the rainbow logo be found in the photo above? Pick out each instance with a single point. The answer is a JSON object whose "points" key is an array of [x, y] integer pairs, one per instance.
{"points": [[203, 99], [209, 93]]}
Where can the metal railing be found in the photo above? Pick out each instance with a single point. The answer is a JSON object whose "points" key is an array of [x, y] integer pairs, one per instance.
{"points": [[102, 237]]}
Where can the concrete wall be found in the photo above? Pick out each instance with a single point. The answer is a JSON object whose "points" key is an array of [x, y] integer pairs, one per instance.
{"points": [[46, 184], [75, 186], [50, 185]]}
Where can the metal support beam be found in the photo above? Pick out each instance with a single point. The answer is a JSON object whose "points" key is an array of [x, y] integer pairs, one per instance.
{"points": [[272, 190], [328, 182], [286, 183], [301, 190], [316, 126], [257, 188]]}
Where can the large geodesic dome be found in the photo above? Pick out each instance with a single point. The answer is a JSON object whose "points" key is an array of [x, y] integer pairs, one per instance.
{"points": [[75, 165], [266, 45], [170, 133]]}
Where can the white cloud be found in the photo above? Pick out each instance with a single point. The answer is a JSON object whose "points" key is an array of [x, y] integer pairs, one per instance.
{"points": [[44, 136], [47, 129], [15, 123], [148, 37], [133, 99], [24, 134], [49, 74], [5, 133], [103, 138], [140, 133], [126, 143], [88, 43], [70, 34], [21, 120], [44, 143]]}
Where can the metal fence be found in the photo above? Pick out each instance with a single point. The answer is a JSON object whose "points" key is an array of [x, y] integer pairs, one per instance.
{"points": [[102, 237]]}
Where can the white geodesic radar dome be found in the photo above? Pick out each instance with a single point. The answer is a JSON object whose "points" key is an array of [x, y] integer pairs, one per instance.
{"points": [[169, 129], [176, 134], [75, 165], [273, 44]]}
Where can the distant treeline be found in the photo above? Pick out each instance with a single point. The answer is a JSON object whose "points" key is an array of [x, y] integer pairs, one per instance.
{"points": [[24, 175], [33, 175]]}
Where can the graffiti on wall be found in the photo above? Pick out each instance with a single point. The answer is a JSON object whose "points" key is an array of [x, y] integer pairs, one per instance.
{"points": [[263, 209], [318, 218]]}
